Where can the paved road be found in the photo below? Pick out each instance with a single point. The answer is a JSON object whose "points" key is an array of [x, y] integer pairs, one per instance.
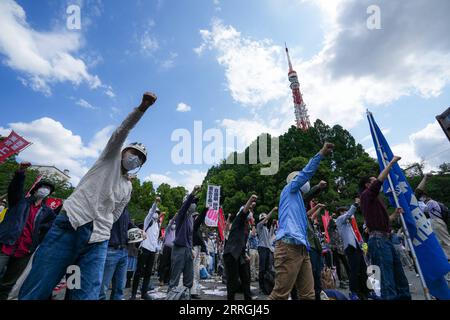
{"points": [[214, 289]]}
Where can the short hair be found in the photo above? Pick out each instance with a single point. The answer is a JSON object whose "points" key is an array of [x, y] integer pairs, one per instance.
{"points": [[362, 183]]}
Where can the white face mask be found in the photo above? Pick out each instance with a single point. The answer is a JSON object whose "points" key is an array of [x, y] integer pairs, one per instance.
{"points": [[155, 216], [42, 192], [173, 227], [131, 162], [305, 188]]}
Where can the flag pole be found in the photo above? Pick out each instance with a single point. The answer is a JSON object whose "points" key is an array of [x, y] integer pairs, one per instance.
{"points": [[408, 238]]}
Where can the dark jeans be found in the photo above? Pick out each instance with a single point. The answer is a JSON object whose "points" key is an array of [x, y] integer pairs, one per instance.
{"points": [[64, 246], [144, 269], [14, 268], [164, 266], [394, 285], [264, 265], [235, 271], [181, 263], [338, 259], [317, 265], [358, 275]]}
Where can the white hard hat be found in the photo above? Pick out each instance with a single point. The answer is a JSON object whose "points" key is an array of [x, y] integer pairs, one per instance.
{"points": [[135, 235], [291, 176], [139, 147]]}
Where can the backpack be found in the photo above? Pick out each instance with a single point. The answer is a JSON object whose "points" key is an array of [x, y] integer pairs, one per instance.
{"points": [[268, 282], [327, 279]]}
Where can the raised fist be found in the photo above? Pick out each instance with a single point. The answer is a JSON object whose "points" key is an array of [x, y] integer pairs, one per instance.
{"points": [[327, 148], [148, 99], [24, 165], [396, 159]]}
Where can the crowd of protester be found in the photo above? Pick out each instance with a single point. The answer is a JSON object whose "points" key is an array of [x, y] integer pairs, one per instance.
{"points": [[296, 256]]}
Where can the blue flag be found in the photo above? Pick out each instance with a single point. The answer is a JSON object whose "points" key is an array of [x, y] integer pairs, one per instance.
{"points": [[431, 257]]}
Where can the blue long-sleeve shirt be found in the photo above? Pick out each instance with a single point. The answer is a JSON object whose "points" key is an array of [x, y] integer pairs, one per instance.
{"points": [[292, 212]]}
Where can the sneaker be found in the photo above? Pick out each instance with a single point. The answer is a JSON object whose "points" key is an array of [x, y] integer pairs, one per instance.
{"points": [[195, 296], [146, 296], [353, 296]]}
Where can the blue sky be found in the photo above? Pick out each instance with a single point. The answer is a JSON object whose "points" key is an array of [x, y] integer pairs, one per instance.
{"points": [[66, 90]]}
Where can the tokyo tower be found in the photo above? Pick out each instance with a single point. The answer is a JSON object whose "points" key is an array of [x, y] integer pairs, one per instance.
{"points": [[301, 113]]}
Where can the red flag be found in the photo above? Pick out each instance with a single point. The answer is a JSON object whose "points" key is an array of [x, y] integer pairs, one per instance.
{"points": [[161, 218], [221, 224], [13, 144], [326, 220], [356, 230], [53, 203]]}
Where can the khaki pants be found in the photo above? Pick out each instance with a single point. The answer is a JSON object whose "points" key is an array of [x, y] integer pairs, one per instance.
{"points": [[292, 267], [254, 264], [441, 231]]}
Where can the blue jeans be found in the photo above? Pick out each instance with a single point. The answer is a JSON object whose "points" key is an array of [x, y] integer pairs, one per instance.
{"points": [[116, 271], [394, 285], [64, 246], [211, 267]]}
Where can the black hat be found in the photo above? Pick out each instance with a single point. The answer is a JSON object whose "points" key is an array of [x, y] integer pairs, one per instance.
{"points": [[42, 183]]}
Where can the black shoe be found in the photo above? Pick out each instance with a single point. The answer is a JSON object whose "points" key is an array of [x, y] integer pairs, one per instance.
{"points": [[195, 296], [133, 298], [147, 297]]}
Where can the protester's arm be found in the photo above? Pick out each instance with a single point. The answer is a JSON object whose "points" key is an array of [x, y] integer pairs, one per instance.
{"points": [[119, 136], [151, 212], [200, 219], [395, 215], [318, 208], [17, 184], [269, 215], [312, 211], [383, 175], [246, 208], [308, 171], [423, 182], [315, 191], [186, 204]]}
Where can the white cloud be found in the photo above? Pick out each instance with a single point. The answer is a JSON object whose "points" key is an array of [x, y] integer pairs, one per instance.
{"points": [[109, 92], [428, 146], [252, 68], [191, 178], [84, 104], [147, 41], [186, 178], [44, 58], [170, 61], [53, 144], [183, 107], [159, 179]]}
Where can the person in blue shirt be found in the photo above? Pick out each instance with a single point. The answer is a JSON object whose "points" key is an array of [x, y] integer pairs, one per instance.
{"points": [[292, 262]]}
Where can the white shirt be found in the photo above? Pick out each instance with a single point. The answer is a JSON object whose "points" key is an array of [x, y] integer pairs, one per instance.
{"points": [[104, 191], [151, 243]]}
